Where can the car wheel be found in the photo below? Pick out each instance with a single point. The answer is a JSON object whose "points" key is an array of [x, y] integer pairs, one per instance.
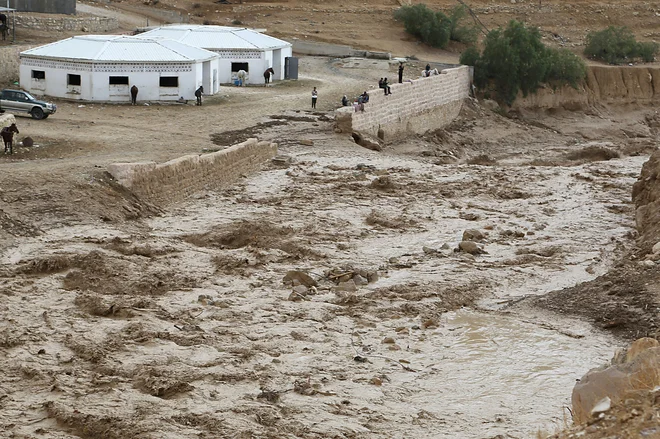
{"points": [[45, 116], [37, 113]]}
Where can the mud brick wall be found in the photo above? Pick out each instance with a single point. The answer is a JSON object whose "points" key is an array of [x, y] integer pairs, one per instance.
{"points": [[179, 178], [417, 106], [60, 23], [9, 61]]}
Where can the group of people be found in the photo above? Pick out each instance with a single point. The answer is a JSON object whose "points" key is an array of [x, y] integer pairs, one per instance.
{"points": [[358, 103]]}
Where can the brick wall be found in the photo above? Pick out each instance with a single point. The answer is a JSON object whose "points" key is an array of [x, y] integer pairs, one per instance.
{"points": [[417, 106], [179, 178], [9, 61]]}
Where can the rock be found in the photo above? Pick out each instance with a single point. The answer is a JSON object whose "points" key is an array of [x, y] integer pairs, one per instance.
{"points": [[603, 405], [306, 142], [473, 235], [301, 289], [366, 141], [469, 216], [490, 104], [394, 260], [376, 381], [394, 347], [372, 276], [635, 372], [301, 277], [429, 323], [348, 286], [429, 251], [470, 247], [282, 160], [388, 340], [656, 248], [28, 142], [360, 280], [648, 264]]}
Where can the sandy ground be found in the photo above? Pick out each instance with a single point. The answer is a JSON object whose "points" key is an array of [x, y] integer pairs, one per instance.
{"points": [[123, 319]]}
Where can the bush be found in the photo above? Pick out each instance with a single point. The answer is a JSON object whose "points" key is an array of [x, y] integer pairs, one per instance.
{"points": [[462, 34], [514, 59], [613, 45], [433, 28], [470, 56], [647, 51]]}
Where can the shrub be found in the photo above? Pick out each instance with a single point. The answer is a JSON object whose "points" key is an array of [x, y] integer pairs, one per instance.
{"points": [[457, 32], [614, 45], [470, 56], [565, 66], [431, 27], [647, 51], [514, 59]]}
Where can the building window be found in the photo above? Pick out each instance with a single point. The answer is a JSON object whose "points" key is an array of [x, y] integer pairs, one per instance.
{"points": [[38, 74], [73, 79], [169, 81], [236, 66], [118, 80]]}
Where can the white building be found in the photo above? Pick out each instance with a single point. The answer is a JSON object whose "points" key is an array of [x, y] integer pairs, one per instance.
{"points": [[104, 67], [238, 48]]}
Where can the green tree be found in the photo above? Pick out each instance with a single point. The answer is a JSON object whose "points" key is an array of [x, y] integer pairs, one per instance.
{"points": [[515, 60], [458, 32]]}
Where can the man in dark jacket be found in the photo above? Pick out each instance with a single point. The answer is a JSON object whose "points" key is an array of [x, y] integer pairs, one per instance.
{"points": [[198, 95]]}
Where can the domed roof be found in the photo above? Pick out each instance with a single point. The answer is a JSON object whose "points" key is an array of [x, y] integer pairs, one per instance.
{"points": [[120, 48], [218, 37]]}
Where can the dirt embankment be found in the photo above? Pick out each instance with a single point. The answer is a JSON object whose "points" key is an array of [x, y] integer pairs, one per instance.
{"points": [[618, 85], [646, 195]]}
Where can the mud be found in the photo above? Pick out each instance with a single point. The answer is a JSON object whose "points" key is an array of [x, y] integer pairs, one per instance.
{"points": [[123, 319]]}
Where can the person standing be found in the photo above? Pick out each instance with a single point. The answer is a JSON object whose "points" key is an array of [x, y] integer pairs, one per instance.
{"points": [[401, 72], [134, 92], [198, 95], [315, 95]]}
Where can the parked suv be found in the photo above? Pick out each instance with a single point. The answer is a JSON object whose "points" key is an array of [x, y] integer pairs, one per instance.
{"points": [[19, 101]]}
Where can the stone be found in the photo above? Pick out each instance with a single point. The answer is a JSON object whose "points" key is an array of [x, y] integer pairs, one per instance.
{"points": [[638, 371], [360, 280], [376, 381], [348, 286], [656, 248], [388, 340], [473, 235], [306, 142], [301, 289], [490, 104], [372, 276], [302, 277], [602, 406], [366, 141], [470, 247], [429, 250], [394, 260], [28, 142]]}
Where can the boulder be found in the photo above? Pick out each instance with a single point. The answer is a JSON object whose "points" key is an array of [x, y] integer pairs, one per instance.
{"points": [[656, 248], [473, 235], [302, 278], [348, 286], [367, 141], [638, 369], [28, 142], [470, 247]]}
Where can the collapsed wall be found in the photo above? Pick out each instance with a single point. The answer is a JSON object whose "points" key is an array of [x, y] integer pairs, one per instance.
{"points": [[6, 120], [646, 196], [177, 179], [416, 106], [9, 61], [603, 85]]}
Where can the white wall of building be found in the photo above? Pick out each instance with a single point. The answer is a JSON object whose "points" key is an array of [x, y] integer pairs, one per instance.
{"points": [[258, 62], [95, 79]]}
